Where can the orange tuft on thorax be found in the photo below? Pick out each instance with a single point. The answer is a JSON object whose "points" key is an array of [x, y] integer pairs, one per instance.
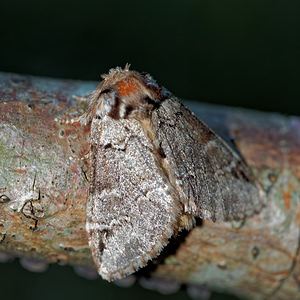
{"points": [[126, 87]]}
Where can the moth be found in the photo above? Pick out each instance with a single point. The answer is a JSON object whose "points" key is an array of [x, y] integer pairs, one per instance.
{"points": [[154, 167]]}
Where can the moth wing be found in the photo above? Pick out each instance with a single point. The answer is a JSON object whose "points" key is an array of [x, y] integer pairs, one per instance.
{"points": [[213, 181], [131, 212]]}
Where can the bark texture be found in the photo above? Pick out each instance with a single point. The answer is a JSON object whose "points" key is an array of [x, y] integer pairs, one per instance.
{"points": [[43, 192]]}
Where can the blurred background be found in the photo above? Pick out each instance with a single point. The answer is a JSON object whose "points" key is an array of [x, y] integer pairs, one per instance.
{"points": [[238, 53]]}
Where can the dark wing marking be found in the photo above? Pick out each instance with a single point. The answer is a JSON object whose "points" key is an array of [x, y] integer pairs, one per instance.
{"points": [[213, 181]]}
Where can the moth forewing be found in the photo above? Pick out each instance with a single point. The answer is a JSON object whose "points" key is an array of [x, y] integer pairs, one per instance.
{"points": [[213, 181], [132, 209]]}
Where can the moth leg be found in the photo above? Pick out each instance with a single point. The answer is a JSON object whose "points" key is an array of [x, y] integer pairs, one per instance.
{"points": [[84, 157], [186, 222], [78, 98], [64, 120], [73, 121]]}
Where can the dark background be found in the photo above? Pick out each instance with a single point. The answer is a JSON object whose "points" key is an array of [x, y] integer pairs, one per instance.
{"points": [[240, 53]]}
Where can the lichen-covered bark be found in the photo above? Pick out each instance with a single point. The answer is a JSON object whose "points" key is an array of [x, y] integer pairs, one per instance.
{"points": [[43, 192]]}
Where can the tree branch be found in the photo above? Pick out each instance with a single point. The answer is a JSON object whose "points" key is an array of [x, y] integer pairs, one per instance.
{"points": [[43, 193]]}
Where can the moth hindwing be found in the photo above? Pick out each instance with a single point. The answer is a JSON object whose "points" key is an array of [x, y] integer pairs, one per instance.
{"points": [[154, 167]]}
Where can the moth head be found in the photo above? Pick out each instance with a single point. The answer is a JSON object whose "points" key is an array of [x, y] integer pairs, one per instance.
{"points": [[126, 94]]}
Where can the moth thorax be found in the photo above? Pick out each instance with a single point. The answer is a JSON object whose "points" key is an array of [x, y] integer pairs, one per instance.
{"points": [[127, 87], [134, 99]]}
